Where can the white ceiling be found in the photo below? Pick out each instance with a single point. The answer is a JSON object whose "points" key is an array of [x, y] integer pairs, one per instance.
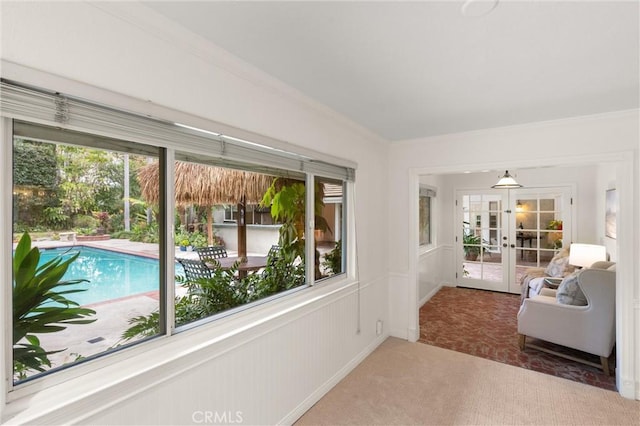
{"points": [[406, 70]]}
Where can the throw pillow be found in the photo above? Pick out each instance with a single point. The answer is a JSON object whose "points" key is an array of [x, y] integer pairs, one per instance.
{"points": [[558, 265], [569, 292]]}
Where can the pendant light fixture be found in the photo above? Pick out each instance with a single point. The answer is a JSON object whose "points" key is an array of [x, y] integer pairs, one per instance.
{"points": [[507, 181]]}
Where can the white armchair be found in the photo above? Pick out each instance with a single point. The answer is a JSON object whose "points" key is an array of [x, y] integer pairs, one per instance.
{"points": [[589, 328]]}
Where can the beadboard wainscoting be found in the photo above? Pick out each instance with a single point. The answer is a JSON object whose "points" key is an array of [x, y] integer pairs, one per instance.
{"points": [[434, 268]]}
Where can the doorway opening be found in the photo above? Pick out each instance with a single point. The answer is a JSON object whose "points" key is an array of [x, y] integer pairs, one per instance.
{"points": [[431, 270]]}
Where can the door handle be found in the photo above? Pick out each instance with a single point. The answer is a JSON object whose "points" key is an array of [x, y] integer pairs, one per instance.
{"points": [[504, 244], [513, 246]]}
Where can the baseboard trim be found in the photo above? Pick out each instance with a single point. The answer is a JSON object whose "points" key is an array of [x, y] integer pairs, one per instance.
{"points": [[399, 333], [305, 405], [429, 296]]}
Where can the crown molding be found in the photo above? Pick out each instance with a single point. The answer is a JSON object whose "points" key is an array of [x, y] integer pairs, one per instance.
{"points": [[582, 119]]}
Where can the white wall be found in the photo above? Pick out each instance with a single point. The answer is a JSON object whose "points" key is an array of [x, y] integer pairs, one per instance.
{"points": [[273, 366], [260, 238], [606, 179], [610, 141]]}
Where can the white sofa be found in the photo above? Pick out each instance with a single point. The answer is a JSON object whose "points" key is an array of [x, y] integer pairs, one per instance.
{"points": [[589, 328]]}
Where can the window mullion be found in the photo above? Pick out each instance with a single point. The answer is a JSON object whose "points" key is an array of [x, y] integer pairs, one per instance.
{"points": [[6, 308], [168, 286], [344, 232], [310, 250]]}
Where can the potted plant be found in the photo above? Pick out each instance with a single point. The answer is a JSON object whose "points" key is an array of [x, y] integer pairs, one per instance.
{"points": [[182, 239], [471, 245], [555, 224], [555, 238]]}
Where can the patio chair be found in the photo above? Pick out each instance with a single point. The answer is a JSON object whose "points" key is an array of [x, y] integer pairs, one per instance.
{"points": [[274, 251], [195, 269], [208, 254], [274, 254]]}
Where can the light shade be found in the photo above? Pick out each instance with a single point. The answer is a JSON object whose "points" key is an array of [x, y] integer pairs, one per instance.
{"points": [[585, 255], [507, 181]]}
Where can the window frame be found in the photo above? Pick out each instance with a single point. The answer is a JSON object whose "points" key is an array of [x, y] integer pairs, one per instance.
{"points": [[428, 192], [278, 304], [232, 210]]}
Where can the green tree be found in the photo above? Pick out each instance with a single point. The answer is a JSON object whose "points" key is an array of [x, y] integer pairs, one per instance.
{"points": [[287, 200], [35, 180], [34, 164], [87, 178]]}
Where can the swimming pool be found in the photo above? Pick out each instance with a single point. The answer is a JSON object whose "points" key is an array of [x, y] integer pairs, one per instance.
{"points": [[111, 274]]}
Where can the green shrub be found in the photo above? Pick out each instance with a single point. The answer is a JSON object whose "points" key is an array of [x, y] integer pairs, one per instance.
{"points": [[40, 305], [205, 297], [196, 239], [223, 291], [55, 217], [141, 232], [84, 231], [283, 272], [116, 223], [333, 259], [85, 221]]}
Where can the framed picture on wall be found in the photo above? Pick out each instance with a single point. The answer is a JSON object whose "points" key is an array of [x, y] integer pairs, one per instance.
{"points": [[611, 207]]}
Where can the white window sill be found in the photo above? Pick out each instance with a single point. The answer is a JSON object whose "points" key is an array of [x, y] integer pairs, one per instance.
{"points": [[425, 249]]}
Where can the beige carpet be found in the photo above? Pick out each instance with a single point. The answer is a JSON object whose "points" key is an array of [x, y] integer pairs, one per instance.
{"points": [[412, 383]]}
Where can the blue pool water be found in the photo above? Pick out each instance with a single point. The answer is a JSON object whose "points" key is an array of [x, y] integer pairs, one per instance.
{"points": [[111, 274]]}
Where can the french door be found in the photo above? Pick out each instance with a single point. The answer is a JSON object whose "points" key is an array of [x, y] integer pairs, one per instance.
{"points": [[504, 232]]}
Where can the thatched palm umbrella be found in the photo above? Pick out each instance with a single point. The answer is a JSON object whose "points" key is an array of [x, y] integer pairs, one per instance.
{"points": [[197, 184]]}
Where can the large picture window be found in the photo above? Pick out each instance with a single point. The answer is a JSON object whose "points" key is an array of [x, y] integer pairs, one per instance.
{"points": [[96, 263], [80, 269]]}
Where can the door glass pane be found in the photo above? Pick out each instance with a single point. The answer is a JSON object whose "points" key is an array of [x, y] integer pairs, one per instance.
{"points": [[539, 230], [482, 233]]}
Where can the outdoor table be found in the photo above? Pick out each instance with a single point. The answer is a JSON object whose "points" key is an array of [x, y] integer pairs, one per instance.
{"points": [[252, 263]]}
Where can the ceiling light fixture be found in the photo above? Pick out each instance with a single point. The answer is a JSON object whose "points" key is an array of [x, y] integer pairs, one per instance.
{"points": [[507, 181]]}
